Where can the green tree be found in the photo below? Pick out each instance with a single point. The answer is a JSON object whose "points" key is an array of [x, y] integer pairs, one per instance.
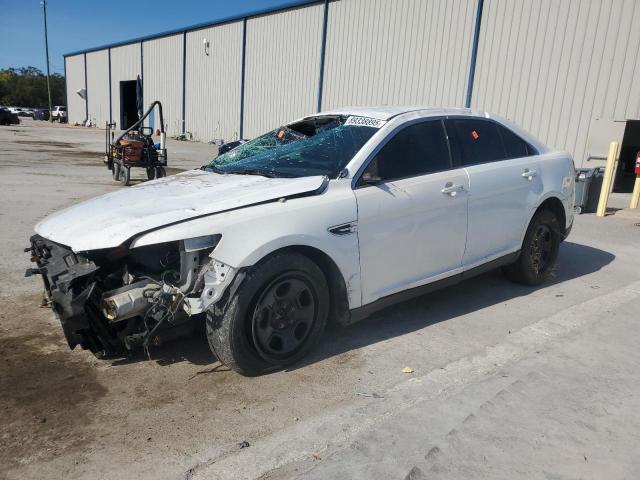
{"points": [[27, 87]]}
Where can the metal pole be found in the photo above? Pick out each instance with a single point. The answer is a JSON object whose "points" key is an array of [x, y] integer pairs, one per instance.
{"points": [[323, 47], [474, 54], [46, 48], [243, 59]]}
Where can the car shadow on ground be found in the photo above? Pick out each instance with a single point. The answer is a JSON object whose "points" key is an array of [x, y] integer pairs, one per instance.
{"points": [[489, 289], [475, 294]]}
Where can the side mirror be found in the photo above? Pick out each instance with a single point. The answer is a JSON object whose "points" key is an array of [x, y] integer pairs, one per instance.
{"points": [[369, 179]]}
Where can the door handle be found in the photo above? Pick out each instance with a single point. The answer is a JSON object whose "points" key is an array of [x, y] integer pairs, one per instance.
{"points": [[529, 174], [451, 189]]}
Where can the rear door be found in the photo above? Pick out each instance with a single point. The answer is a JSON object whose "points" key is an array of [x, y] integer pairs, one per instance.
{"points": [[412, 218], [504, 186]]}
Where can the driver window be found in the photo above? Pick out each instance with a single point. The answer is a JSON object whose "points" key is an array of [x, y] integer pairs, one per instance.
{"points": [[418, 149]]}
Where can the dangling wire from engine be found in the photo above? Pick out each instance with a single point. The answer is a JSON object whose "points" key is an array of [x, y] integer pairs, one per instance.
{"points": [[169, 298]]}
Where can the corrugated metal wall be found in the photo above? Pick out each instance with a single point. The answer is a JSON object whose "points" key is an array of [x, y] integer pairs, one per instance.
{"points": [[213, 82], [562, 69], [74, 67], [398, 52], [282, 67], [553, 66], [125, 65], [163, 79], [98, 86]]}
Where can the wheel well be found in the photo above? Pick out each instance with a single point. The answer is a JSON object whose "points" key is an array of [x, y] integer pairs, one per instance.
{"points": [[553, 204], [339, 308]]}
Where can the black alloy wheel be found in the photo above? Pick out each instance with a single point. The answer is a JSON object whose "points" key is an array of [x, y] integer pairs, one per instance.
{"points": [[541, 248], [284, 316]]}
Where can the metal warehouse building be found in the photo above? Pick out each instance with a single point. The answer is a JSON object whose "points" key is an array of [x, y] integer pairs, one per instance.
{"points": [[566, 70]]}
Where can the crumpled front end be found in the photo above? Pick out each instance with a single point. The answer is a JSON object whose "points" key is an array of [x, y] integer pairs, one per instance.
{"points": [[113, 300], [71, 289]]}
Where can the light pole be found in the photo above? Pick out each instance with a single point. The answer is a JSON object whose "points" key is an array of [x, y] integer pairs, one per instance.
{"points": [[46, 48]]}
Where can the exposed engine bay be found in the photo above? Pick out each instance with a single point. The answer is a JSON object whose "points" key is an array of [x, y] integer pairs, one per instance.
{"points": [[113, 300]]}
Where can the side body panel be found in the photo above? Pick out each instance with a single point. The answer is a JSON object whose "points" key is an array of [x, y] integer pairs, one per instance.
{"points": [[249, 234], [410, 233], [501, 196], [557, 176]]}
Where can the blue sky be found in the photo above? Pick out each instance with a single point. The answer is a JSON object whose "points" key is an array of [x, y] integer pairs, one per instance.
{"points": [[79, 24]]}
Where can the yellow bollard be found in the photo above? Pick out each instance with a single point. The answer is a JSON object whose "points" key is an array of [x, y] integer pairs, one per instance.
{"points": [[606, 181], [635, 196]]}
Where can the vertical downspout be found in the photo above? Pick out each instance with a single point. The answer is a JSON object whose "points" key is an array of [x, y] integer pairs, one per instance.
{"points": [[474, 54], [110, 99], [244, 52], [322, 53], [184, 81], [66, 101], [86, 92], [142, 72]]}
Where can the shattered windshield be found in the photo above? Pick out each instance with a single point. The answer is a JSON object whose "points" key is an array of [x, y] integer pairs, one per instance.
{"points": [[315, 146]]}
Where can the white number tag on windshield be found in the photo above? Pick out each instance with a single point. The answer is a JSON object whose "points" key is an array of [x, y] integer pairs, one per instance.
{"points": [[364, 122]]}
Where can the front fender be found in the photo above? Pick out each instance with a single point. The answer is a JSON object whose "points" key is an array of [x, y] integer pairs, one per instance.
{"points": [[250, 234]]}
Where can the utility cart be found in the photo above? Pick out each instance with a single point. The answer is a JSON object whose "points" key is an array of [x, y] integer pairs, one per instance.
{"points": [[135, 148]]}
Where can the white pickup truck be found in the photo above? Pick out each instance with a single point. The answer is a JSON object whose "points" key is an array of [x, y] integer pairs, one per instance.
{"points": [[59, 113], [328, 218]]}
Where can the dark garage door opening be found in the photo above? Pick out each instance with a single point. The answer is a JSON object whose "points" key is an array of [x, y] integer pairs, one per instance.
{"points": [[128, 110], [625, 175]]}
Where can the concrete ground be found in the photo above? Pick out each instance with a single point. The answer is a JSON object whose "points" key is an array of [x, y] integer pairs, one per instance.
{"points": [[507, 382]]}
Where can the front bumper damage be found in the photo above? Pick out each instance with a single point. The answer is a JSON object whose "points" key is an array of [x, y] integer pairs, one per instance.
{"points": [[72, 294], [109, 302]]}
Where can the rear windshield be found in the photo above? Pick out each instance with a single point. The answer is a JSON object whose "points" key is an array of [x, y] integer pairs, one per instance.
{"points": [[315, 146]]}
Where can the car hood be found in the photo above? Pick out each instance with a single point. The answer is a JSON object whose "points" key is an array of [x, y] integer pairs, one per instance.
{"points": [[109, 220]]}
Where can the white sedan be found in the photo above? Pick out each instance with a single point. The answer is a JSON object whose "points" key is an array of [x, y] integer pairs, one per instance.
{"points": [[324, 219]]}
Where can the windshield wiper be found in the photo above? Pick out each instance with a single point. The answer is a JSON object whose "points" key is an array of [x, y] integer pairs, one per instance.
{"points": [[252, 171], [212, 168]]}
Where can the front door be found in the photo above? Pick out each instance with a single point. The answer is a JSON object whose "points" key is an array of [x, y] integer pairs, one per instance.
{"points": [[412, 213]]}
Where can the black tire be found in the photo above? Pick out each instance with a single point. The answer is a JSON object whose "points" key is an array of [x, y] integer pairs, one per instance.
{"points": [[116, 171], [160, 172], [125, 176], [266, 325], [539, 252], [151, 173]]}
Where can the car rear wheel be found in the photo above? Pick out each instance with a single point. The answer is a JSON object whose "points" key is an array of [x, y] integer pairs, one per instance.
{"points": [[274, 318], [539, 252]]}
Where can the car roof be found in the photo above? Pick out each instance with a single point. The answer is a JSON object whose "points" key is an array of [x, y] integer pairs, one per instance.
{"points": [[386, 112]]}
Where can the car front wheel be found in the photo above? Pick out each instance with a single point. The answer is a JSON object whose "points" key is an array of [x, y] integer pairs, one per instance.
{"points": [[274, 318], [539, 251]]}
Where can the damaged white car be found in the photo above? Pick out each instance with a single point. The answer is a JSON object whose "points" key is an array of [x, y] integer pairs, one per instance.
{"points": [[325, 219]]}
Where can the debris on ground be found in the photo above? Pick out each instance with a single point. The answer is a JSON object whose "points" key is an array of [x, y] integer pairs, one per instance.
{"points": [[183, 137], [371, 395], [244, 444], [407, 370]]}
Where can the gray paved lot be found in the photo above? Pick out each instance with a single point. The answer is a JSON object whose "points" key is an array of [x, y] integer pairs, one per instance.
{"points": [[508, 382]]}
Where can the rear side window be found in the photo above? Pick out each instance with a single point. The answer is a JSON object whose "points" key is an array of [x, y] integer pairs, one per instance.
{"points": [[416, 150], [475, 141], [514, 146]]}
